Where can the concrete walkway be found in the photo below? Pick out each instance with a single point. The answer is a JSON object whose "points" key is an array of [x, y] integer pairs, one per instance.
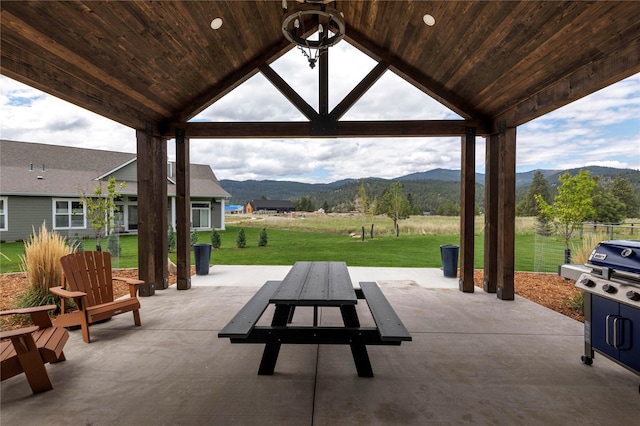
{"points": [[473, 359]]}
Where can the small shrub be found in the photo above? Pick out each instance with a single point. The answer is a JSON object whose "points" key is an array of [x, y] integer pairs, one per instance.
{"points": [[241, 242], [576, 302], [113, 245], [262, 240], [215, 239], [193, 238], [41, 262], [543, 226], [172, 239]]}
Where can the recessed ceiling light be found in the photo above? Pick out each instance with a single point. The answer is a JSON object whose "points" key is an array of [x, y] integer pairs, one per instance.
{"points": [[429, 20], [216, 23]]}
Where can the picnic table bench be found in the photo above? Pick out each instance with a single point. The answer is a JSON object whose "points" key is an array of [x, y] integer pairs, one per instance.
{"points": [[316, 284]]}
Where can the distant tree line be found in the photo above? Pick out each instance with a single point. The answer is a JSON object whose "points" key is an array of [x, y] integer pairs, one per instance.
{"points": [[615, 197], [612, 199]]}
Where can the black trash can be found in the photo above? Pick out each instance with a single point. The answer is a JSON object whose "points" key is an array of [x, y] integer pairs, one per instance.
{"points": [[449, 255], [202, 254]]}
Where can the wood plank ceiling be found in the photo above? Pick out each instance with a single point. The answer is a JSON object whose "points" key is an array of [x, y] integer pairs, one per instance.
{"points": [[160, 62]]}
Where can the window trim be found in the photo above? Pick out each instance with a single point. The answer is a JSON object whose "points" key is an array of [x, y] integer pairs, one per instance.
{"points": [[5, 212], [208, 209], [69, 214]]}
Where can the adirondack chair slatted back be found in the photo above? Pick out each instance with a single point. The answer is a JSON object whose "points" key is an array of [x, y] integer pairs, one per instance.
{"points": [[89, 272]]}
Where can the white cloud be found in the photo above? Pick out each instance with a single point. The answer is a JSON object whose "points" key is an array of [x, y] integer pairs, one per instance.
{"points": [[29, 115]]}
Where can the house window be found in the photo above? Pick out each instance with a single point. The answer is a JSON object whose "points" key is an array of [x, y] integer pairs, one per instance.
{"points": [[3, 214], [69, 214], [200, 215]]}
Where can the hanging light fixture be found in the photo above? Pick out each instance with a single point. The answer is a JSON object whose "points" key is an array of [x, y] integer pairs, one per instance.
{"points": [[303, 18]]}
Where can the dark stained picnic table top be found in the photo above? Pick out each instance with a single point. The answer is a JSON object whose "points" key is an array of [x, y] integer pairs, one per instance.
{"points": [[316, 284]]}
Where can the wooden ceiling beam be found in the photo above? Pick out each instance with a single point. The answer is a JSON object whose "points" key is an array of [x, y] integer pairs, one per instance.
{"points": [[596, 75], [233, 80], [288, 92], [87, 93], [342, 129], [413, 76], [15, 24], [357, 92]]}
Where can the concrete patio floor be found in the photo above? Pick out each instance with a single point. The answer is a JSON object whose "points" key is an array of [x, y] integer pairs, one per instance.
{"points": [[473, 359]]}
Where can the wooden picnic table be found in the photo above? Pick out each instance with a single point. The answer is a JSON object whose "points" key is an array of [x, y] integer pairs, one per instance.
{"points": [[316, 284]]}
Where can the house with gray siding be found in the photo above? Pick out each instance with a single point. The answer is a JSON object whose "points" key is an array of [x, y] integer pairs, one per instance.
{"points": [[45, 183]]}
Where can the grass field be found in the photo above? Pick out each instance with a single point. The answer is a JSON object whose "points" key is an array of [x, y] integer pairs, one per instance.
{"points": [[326, 238]]}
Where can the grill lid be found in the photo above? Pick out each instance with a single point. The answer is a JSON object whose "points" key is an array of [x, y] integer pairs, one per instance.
{"points": [[616, 257]]}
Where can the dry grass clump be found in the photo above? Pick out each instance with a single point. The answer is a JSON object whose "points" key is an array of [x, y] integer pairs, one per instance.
{"points": [[346, 223], [580, 251], [41, 263]]}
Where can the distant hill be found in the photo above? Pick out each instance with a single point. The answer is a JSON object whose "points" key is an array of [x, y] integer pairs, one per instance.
{"points": [[244, 191], [428, 189], [446, 175]]}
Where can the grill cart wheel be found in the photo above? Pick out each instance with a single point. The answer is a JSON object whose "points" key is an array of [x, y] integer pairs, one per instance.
{"points": [[586, 360]]}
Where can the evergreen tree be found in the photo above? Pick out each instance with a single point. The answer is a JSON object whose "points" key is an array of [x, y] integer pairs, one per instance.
{"points": [[241, 242], [215, 239], [304, 204], [607, 208], [540, 187], [448, 208], [543, 226], [622, 189], [262, 240], [325, 206]]}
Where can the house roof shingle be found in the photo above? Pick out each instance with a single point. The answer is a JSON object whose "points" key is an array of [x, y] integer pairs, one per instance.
{"points": [[69, 171]]}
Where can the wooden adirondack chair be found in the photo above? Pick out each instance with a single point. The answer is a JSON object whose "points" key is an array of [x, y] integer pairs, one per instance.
{"points": [[27, 350], [90, 284]]}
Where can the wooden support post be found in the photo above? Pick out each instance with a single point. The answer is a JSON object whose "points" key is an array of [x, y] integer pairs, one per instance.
{"points": [[152, 211], [183, 210], [492, 153], [506, 215], [467, 210]]}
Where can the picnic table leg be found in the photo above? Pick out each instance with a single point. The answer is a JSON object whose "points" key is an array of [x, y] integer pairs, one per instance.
{"points": [[358, 350], [272, 348]]}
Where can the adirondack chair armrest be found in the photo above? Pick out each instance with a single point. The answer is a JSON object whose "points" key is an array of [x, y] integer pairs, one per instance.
{"points": [[22, 311], [133, 284], [39, 314], [62, 292], [18, 332]]}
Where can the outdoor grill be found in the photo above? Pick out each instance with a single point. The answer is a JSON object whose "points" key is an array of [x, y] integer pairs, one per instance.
{"points": [[611, 285]]}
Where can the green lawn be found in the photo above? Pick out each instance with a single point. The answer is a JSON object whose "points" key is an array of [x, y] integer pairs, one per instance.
{"points": [[285, 247]]}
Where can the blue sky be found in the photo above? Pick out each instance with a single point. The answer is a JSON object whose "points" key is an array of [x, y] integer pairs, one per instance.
{"points": [[601, 129]]}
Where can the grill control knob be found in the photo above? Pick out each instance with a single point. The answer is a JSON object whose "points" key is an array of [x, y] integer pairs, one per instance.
{"points": [[633, 295], [585, 281], [609, 289]]}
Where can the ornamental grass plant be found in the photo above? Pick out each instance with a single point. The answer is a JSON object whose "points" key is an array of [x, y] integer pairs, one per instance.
{"points": [[582, 249], [41, 263]]}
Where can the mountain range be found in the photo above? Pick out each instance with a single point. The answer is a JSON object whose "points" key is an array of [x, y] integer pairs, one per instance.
{"points": [[442, 182]]}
